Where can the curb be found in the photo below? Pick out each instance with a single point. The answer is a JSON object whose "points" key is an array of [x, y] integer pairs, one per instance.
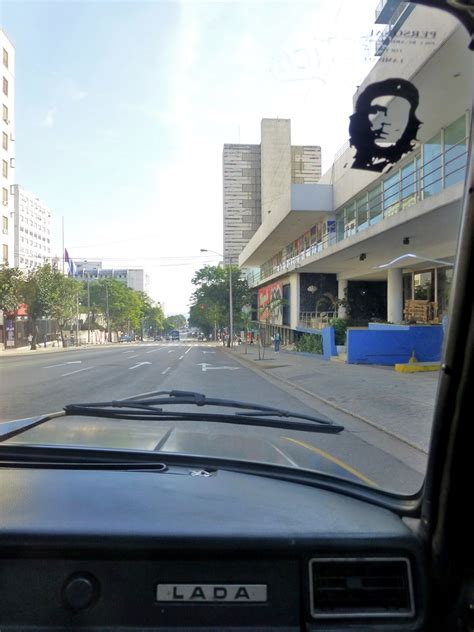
{"points": [[327, 402], [42, 351]]}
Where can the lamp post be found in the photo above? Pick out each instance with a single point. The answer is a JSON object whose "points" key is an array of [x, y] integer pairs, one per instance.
{"points": [[231, 307]]}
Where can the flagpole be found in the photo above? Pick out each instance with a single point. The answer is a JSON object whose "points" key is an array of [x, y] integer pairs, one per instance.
{"points": [[63, 239]]}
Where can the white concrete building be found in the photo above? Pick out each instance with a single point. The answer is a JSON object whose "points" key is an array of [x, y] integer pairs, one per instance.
{"points": [[249, 174], [7, 132], [32, 230], [134, 278], [328, 240]]}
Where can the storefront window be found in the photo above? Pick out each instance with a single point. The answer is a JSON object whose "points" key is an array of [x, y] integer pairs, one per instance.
{"points": [[432, 181], [423, 283], [375, 204], [445, 278], [455, 152]]}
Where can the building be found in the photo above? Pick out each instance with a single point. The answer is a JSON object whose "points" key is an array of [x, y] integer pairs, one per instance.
{"points": [[134, 278], [32, 230], [249, 170], [379, 245], [7, 65]]}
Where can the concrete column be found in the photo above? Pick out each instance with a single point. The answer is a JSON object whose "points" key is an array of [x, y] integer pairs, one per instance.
{"points": [[341, 294], [395, 295]]}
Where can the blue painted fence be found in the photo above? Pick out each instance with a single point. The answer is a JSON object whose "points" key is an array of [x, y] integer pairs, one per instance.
{"points": [[329, 339], [392, 344]]}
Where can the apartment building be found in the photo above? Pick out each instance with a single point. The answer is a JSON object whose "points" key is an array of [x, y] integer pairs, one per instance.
{"points": [[248, 170], [32, 230], [7, 131], [134, 278], [382, 243]]}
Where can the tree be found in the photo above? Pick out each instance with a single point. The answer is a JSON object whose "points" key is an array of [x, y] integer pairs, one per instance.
{"points": [[265, 315], [67, 292], [10, 289], [177, 321], [210, 300], [40, 293]]}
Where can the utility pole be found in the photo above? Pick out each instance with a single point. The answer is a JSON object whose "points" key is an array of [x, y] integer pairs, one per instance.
{"points": [[88, 308], [77, 320], [231, 307], [107, 310]]}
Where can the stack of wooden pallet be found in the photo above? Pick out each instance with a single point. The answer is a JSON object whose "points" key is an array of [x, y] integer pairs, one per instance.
{"points": [[421, 311]]}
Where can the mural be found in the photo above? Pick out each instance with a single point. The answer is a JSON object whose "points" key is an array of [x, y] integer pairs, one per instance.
{"points": [[270, 306]]}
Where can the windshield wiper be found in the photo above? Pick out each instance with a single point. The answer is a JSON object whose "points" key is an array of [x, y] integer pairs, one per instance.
{"points": [[150, 407]]}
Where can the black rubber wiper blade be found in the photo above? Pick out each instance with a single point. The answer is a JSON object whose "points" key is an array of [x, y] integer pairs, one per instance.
{"points": [[151, 402], [142, 414]]}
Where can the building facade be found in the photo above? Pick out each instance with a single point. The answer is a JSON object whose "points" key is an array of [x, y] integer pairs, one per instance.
{"points": [[252, 184], [374, 246], [32, 230], [134, 278], [7, 131]]}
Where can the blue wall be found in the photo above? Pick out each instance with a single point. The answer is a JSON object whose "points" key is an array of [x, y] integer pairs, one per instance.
{"points": [[329, 339], [392, 344]]}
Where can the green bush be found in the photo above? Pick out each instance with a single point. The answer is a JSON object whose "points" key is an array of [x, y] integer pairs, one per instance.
{"points": [[340, 328], [310, 343]]}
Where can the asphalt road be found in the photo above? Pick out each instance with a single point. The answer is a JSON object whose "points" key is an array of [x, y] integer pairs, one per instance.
{"points": [[35, 384]]}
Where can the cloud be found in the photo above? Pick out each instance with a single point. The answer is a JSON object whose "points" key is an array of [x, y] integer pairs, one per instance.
{"points": [[48, 120]]}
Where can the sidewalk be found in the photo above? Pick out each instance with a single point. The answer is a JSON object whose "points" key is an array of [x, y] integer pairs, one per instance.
{"points": [[398, 403]]}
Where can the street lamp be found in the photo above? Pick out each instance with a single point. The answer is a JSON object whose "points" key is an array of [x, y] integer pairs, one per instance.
{"points": [[231, 317]]}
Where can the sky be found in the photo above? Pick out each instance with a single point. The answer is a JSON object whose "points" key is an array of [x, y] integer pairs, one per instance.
{"points": [[123, 108]]}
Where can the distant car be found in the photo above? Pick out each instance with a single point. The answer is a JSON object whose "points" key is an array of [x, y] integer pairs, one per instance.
{"points": [[174, 335], [201, 337], [158, 338], [125, 338]]}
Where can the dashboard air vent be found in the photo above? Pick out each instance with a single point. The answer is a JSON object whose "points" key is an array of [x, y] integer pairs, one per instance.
{"points": [[361, 587]]}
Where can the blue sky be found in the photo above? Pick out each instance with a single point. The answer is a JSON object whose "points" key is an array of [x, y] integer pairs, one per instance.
{"points": [[122, 110]]}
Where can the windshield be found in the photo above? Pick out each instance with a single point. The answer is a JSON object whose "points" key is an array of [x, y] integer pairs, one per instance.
{"points": [[255, 201]]}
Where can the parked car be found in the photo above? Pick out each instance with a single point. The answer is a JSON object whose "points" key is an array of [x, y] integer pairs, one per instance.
{"points": [[158, 338], [174, 335], [125, 338]]}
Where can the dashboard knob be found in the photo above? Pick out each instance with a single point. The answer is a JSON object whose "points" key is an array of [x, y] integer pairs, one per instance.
{"points": [[80, 592]]}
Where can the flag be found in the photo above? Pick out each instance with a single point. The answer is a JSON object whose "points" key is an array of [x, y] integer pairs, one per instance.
{"points": [[70, 262]]}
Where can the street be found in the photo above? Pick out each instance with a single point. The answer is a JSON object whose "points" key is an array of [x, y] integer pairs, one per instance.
{"points": [[36, 384]]}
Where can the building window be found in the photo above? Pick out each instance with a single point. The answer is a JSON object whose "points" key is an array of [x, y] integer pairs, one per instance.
{"points": [[5, 168], [5, 114], [5, 197], [5, 253], [5, 225], [391, 194], [5, 86], [5, 58], [5, 141], [350, 220], [432, 170], [375, 204], [455, 152], [362, 214]]}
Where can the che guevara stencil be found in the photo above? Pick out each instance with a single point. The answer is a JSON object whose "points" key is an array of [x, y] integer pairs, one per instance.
{"points": [[370, 155]]}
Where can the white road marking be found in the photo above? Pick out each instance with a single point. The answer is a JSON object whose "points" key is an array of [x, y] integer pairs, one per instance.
{"points": [[171, 351], [181, 357], [209, 367], [133, 356], [166, 370], [51, 366], [131, 351], [187, 350], [153, 350], [208, 352], [285, 456], [78, 371], [137, 365]]}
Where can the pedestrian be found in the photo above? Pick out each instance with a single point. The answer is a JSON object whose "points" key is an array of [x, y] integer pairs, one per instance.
{"points": [[45, 340], [30, 339], [276, 342]]}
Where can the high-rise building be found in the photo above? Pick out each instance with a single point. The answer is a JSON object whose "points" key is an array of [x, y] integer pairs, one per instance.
{"points": [[32, 230], [256, 178], [7, 129]]}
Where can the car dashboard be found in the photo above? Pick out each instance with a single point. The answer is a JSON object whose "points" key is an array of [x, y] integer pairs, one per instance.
{"points": [[184, 548]]}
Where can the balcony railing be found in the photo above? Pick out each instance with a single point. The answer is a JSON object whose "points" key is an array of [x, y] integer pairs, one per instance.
{"points": [[316, 320], [425, 180]]}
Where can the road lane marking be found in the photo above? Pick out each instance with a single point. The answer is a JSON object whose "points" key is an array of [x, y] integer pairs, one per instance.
{"points": [[166, 370], [137, 365], [171, 351], [131, 351], [333, 459], [181, 357], [133, 356], [208, 367], [153, 350], [78, 371], [188, 350], [207, 351], [51, 366]]}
